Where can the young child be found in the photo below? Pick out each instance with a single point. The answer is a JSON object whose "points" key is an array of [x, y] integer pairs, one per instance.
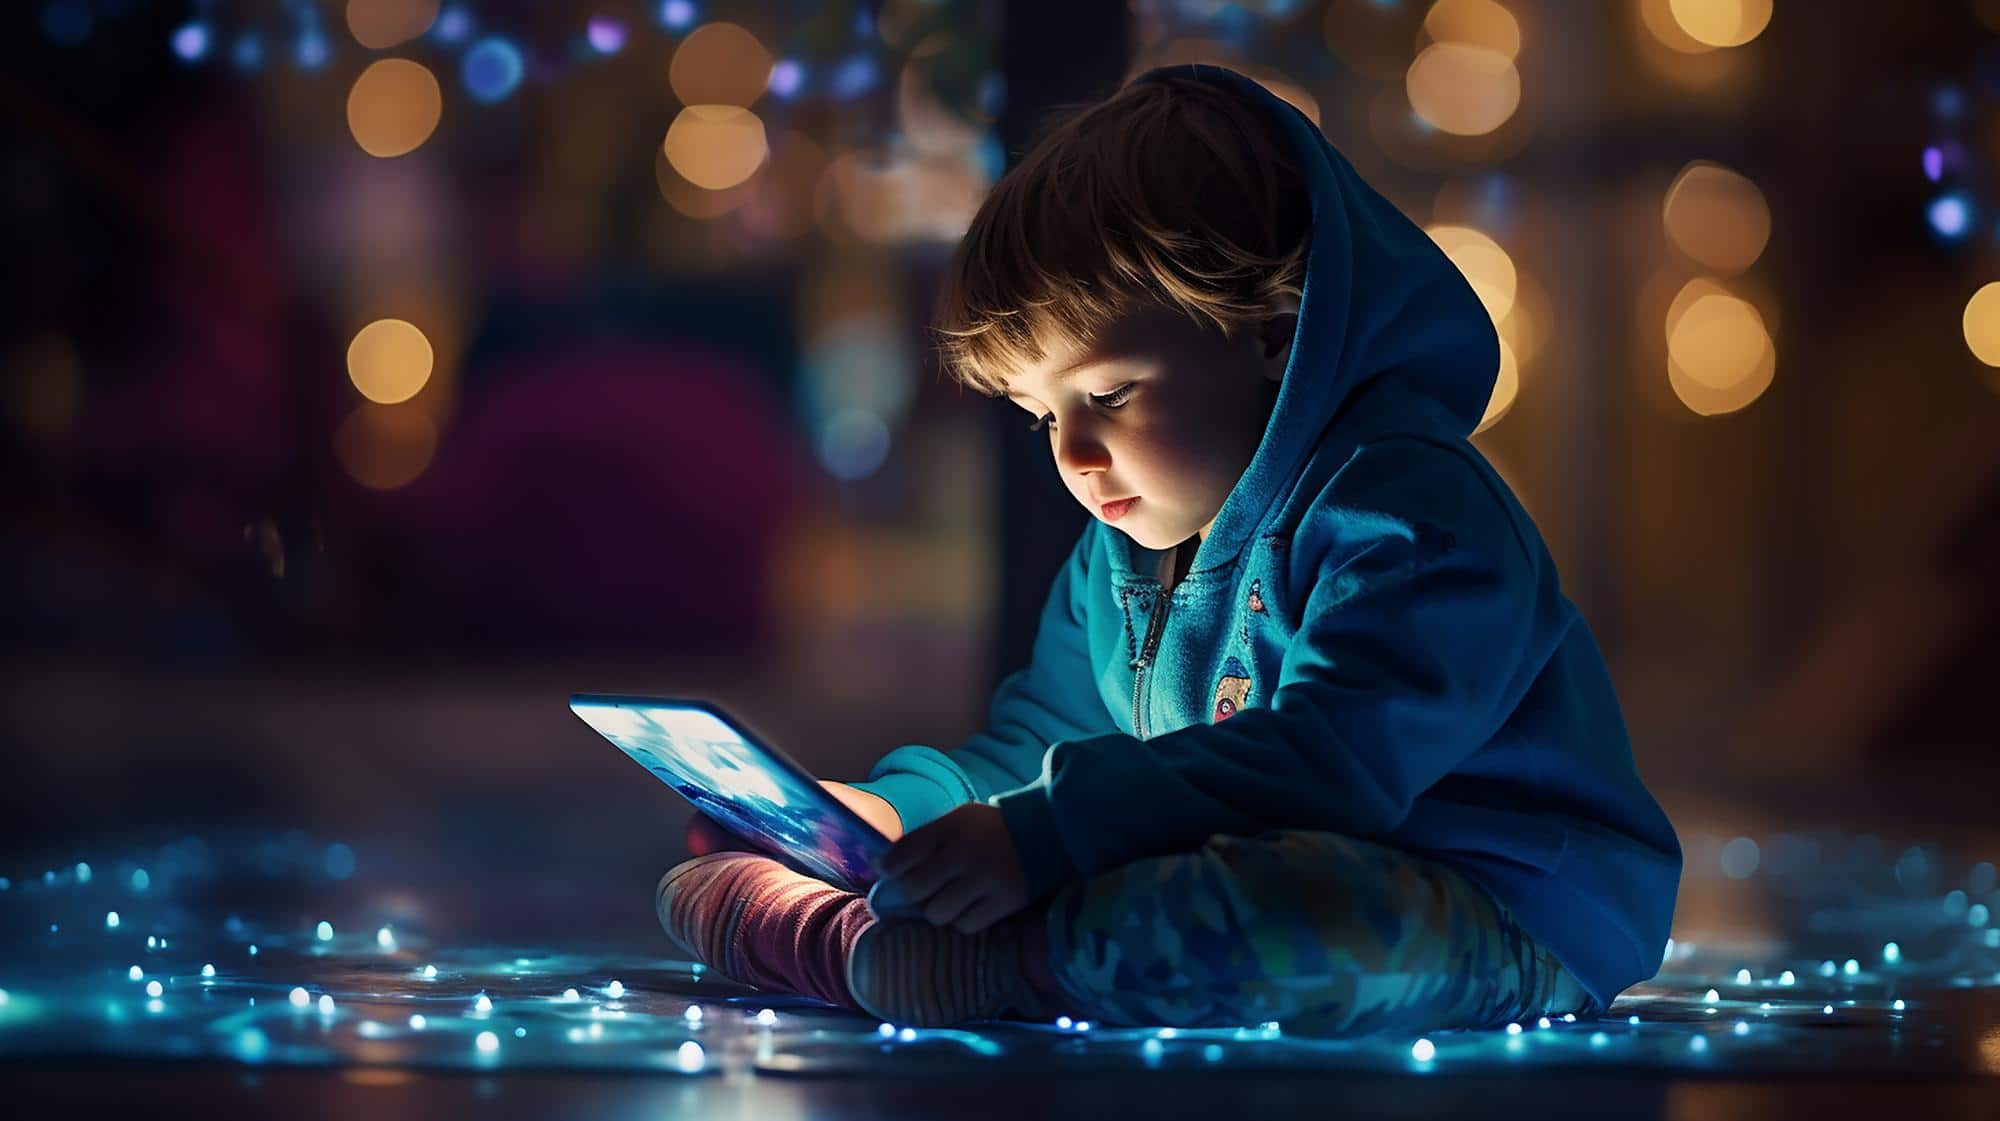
{"points": [[1310, 732]]}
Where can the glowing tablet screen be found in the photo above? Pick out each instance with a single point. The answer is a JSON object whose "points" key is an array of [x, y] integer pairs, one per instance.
{"points": [[751, 788]]}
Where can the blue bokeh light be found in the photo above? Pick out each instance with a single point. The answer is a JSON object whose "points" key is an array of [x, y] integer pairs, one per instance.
{"points": [[339, 860], [853, 444], [1739, 858], [190, 42], [1950, 215], [786, 78], [992, 93], [453, 24], [854, 77], [312, 51], [606, 35], [678, 15], [492, 69], [248, 53]]}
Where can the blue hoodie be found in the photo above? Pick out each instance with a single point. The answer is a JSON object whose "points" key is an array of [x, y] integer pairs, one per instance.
{"points": [[1371, 640]]}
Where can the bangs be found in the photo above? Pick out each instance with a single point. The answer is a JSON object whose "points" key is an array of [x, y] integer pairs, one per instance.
{"points": [[1171, 193]]}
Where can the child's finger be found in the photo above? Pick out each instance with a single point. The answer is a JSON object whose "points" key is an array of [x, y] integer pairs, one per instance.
{"points": [[983, 913], [909, 851], [953, 900], [923, 879]]}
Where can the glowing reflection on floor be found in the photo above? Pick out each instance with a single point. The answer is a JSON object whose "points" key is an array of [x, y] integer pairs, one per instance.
{"points": [[1843, 946]]}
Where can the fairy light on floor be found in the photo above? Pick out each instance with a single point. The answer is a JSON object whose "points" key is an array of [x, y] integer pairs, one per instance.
{"points": [[318, 996]]}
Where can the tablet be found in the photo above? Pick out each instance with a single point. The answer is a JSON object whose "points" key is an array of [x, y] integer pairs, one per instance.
{"points": [[750, 787]]}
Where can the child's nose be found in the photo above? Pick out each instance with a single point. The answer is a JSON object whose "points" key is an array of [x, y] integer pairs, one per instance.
{"points": [[1078, 451]]}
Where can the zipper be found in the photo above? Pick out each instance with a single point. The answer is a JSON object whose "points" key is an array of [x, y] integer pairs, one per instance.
{"points": [[1147, 647]]}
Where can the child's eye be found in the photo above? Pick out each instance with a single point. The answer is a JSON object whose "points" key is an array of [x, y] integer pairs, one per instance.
{"points": [[1110, 400]]}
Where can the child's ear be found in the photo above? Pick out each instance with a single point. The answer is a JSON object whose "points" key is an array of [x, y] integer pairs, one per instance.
{"points": [[1278, 330]]}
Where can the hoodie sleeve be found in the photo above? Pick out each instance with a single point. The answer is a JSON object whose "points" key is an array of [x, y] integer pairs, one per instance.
{"points": [[1051, 699], [1410, 654]]}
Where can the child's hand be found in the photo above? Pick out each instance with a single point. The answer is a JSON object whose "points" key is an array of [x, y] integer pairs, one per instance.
{"points": [[959, 871]]}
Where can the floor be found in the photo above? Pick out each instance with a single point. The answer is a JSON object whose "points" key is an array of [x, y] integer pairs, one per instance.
{"points": [[1819, 974]]}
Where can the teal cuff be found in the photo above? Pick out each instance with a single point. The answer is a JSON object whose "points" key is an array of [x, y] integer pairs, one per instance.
{"points": [[1031, 821], [916, 799]]}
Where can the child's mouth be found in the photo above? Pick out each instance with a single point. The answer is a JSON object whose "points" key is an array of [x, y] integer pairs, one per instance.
{"points": [[1114, 510]]}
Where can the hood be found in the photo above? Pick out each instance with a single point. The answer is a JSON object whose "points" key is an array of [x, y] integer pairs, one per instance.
{"points": [[1382, 303]]}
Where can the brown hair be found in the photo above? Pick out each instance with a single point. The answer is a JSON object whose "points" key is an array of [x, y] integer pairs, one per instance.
{"points": [[1173, 192]]}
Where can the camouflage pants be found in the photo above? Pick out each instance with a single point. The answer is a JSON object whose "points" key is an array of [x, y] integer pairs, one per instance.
{"points": [[1325, 934]]}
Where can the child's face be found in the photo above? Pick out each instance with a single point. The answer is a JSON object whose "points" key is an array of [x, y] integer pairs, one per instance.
{"points": [[1159, 410]]}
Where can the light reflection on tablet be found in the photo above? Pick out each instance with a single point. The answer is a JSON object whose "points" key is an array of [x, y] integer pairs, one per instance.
{"points": [[730, 780]]}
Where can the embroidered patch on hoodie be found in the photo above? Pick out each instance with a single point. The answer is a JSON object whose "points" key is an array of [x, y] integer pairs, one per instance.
{"points": [[1232, 692], [1255, 606]]}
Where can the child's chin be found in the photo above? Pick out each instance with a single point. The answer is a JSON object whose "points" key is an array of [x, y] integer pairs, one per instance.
{"points": [[1143, 538]]}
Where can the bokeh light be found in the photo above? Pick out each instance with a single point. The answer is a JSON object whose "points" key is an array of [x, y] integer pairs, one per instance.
{"points": [[1721, 23], [1486, 266], [453, 24], [715, 146], [1717, 217], [1475, 23], [720, 64], [394, 107], [248, 52], [1720, 356], [787, 76], [1950, 215], [311, 51], [677, 15], [853, 444], [379, 24], [190, 42], [605, 34], [1463, 89], [1506, 386], [389, 361], [697, 202], [1982, 324], [384, 447], [491, 70]]}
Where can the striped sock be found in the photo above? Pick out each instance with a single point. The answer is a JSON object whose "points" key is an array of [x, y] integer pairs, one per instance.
{"points": [[764, 925], [907, 971]]}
